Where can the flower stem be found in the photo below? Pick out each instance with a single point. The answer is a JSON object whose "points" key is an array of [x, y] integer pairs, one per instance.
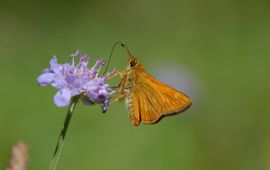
{"points": [[61, 138]]}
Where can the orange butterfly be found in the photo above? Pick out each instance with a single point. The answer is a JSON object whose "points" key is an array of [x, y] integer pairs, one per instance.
{"points": [[148, 99]]}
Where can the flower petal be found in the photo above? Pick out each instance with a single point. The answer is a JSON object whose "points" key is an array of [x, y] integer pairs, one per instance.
{"points": [[62, 97], [54, 66], [45, 79], [105, 105], [100, 62], [59, 82], [92, 73]]}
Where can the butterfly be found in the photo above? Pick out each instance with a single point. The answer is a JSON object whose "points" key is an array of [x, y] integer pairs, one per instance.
{"points": [[148, 99]]}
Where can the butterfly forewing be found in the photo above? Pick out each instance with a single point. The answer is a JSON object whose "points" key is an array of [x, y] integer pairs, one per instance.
{"points": [[152, 99]]}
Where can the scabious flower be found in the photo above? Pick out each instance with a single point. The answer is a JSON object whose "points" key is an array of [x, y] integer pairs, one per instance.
{"points": [[73, 79]]}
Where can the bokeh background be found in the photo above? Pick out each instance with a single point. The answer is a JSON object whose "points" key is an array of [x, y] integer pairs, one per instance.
{"points": [[215, 51]]}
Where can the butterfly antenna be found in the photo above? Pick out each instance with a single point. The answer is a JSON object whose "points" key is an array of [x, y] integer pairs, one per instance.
{"points": [[114, 45], [125, 46], [109, 60]]}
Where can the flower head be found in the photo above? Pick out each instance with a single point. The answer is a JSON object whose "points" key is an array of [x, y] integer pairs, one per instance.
{"points": [[77, 79]]}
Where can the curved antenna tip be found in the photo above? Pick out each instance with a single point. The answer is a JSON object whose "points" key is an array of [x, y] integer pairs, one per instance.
{"points": [[114, 45], [125, 46]]}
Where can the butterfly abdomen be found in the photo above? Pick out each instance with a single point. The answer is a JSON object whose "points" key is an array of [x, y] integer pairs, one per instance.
{"points": [[133, 109], [131, 106]]}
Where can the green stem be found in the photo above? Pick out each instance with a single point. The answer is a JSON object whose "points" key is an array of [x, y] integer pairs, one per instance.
{"points": [[62, 135]]}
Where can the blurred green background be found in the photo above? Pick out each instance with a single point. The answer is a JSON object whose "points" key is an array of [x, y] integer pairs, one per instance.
{"points": [[222, 46]]}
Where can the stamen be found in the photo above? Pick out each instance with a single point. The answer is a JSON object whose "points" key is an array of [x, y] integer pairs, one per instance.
{"points": [[77, 53], [98, 71]]}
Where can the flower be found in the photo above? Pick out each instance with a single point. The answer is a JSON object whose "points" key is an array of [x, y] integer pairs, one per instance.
{"points": [[77, 80]]}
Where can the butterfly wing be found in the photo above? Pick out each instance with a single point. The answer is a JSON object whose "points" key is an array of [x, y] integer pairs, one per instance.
{"points": [[152, 99]]}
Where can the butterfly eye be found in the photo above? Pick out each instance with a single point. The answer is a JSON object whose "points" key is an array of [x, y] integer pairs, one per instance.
{"points": [[133, 63]]}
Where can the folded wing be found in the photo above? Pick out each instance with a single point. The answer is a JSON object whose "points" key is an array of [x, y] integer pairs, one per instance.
{"points": [[153, 99]]}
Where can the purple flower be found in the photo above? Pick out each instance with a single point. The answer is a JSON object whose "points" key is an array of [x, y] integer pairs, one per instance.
{"points": [[77, 80]]}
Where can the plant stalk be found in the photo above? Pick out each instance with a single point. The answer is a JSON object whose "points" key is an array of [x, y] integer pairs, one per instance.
{"points": [[62, 135]]}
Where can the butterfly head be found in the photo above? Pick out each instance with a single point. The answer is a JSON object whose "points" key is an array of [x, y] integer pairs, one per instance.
{"points": [[133, 62]]}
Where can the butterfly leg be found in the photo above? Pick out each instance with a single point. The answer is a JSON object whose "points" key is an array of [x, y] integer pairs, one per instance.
{"points": [[116, 73], [123, 92], [121, 95], [122, 82]]}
